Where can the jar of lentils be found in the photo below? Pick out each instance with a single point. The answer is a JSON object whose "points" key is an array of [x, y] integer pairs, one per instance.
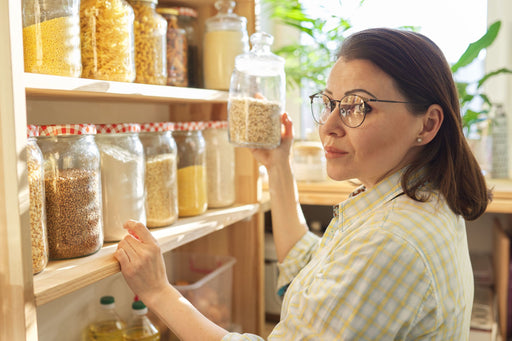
{"points": [[161, 173], [37, 212], [71, 162], [192, 190]]}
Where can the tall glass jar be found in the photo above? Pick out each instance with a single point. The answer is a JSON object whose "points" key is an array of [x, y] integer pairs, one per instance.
{"points": [[150, 43], [122, 177], [106, 30], [225, 38], [161, 173], [37, 212], [257, 96], [220, 164], [51, 37], [192, 190], [72, 189], [187, 19]]}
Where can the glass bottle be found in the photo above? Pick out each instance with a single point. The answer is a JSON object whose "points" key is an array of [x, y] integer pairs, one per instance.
{"points": [[51, 37], [225, 38], [257, 96], [107, 325], [140, 326]]}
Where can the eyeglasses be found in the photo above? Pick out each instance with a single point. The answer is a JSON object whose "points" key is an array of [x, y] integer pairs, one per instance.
{"points": [[352, 108]]}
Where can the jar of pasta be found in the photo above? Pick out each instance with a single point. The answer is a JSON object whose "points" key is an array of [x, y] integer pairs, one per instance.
{"points": [[106, 30], [122, 177], [36, 210], [161, 173], [51, 37], [150, 43], [71, 162], [220, 164], [192, 190]]}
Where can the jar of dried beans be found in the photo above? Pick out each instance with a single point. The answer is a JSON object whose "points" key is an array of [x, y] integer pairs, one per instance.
{"points": [[71, 162], [37, 212], [150, 43], [192, 190], [51, 37], [220, 164], [187, 19], [106, 30], [122, 177], [161, 173]]}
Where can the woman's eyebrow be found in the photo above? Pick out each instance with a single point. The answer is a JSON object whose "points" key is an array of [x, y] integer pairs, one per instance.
{"points": [[353, 91]]}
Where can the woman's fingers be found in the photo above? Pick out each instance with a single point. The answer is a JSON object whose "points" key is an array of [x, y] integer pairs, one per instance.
{"points": [[139, 231]]}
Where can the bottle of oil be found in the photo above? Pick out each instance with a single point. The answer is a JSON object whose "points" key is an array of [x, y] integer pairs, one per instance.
{"points": [[108, 325], [140, 328]]}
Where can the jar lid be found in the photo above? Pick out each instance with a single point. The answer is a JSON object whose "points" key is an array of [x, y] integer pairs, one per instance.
{"points": [[114, 128], [32, 130], [156, 126], [168, 10], [193, 125], [186, 11], [67, 129], [216, 124], [308, 147]]}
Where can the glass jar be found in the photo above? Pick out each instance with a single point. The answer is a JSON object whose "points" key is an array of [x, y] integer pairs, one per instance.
{"points": [[257, 96], [122, 177], [72, 189], [161, 173], [225, 38], [51, 37], [106, 30], [192, 190], [177, 69], [187, 19], [309, 161], [220, 164], [36, 210], [150, 43]]}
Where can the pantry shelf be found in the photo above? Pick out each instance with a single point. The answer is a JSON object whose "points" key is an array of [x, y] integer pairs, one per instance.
{"points": [[65, 276]]}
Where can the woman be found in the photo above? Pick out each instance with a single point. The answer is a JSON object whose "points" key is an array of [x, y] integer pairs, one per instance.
{"points": [[393, 264]]}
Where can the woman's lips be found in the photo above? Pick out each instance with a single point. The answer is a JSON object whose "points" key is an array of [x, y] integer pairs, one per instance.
{"points": [[333, 153]]}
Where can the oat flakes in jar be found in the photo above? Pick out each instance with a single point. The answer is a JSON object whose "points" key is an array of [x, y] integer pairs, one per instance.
{"points": [[192, 188], [220, 164], [72, 181], [37, 212], [160, 174], [122, 177]]}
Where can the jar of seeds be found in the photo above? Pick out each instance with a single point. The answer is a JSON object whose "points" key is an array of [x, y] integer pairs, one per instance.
{"points": [[161, 173], [71, 162], [37, 212]]}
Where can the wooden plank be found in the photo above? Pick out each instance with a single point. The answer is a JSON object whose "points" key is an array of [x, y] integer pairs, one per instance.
{"points": [[501, 260]]}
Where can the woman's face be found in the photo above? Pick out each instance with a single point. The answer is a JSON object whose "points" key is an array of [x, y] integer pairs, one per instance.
{"points": [[384, 142]]}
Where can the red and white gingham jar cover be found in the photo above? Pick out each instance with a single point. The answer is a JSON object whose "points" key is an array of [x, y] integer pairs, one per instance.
{"points": [[192, 125], [32, 130], [186, 11], [67, 129], [156, 126], [115, 128], [216, 124]]}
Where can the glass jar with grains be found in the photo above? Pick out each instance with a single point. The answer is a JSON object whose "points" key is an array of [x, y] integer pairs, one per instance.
{"points": [[187, 19], [161, 173], [220, 164], [106, 30], [150, 43], [71, 162], [36, 210], [122, 177], [192, 190], [51, 37]]}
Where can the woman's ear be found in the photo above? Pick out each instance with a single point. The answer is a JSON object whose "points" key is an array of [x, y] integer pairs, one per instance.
{"points": [[431, 123]]}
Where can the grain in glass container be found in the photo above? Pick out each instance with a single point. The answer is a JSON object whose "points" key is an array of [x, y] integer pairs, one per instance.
{"points": [[308, 160], [220, 164], [72, 181], [37, 212], [108, 47], [150, 30], [122, 177], [51, 37], [257, 96], [192, 187], [161, 173]]}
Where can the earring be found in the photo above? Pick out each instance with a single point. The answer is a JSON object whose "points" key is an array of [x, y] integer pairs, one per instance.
{"points": [[419, 140]]}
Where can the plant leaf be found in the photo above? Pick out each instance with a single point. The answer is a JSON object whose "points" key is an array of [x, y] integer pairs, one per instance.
{"points": [[492, 74]]}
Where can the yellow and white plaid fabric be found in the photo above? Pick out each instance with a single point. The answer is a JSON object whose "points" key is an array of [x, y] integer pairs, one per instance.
{"points": [[387, 268]]}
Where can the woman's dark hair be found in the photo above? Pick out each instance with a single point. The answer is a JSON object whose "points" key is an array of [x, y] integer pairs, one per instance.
{"points": [[422, 74]]}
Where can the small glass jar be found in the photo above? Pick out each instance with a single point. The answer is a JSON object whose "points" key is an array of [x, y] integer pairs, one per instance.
{"points": [[122, 177], [51, 37], [150, 43], [187, 19], [72, 189], [220, 164], [106, 30], [161, 173], [309, 161], [37, 212], [177, 68], [192, 190]]}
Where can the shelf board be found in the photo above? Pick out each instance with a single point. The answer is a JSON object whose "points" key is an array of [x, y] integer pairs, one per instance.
{"points": [[62, 277], [48, 86]]}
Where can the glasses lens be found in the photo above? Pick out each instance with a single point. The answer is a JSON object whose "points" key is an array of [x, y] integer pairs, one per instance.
{"points": [[352, 110], [320, 108]]}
